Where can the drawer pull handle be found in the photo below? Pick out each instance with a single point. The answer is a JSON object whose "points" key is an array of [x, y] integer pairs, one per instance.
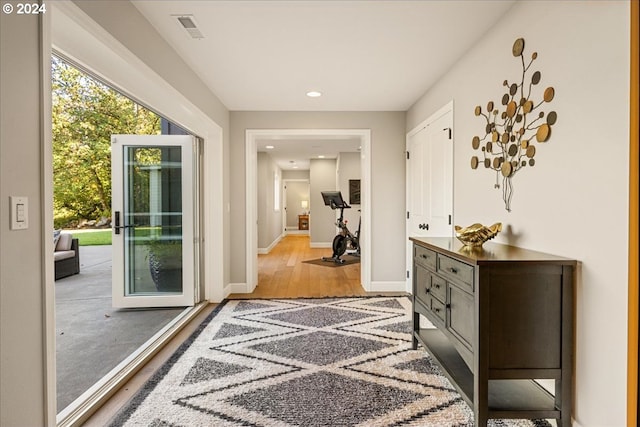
{"points": [[453, 270], [437, 310], [437, 286], [427, 290], [424, 256]]}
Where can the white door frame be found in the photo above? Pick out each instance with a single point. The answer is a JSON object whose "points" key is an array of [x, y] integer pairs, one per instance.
{"points": [[251, 193]]}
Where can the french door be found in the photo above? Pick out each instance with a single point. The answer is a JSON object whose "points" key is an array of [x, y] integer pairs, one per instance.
{"points": [[153, 220]]}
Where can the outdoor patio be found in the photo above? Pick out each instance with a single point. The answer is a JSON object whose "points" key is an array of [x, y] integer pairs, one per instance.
{"points": [[91, 336]]}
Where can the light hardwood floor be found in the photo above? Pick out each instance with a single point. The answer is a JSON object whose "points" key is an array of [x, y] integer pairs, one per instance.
{"points": [[281, 274]]}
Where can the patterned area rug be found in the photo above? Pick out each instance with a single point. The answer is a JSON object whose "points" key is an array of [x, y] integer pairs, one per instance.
{"points": [[305, 362]]}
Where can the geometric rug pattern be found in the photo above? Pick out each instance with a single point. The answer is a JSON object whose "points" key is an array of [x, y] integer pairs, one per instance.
{"points": [[302, 362]]}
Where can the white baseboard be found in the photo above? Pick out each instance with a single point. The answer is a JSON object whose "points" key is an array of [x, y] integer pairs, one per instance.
{"points": [[225, 292], [396, 286], [296, 232], [320, 245], [265, 251], [237, 288]]}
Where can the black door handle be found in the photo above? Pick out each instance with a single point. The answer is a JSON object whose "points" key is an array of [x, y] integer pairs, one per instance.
{"points": [[117, 227]]}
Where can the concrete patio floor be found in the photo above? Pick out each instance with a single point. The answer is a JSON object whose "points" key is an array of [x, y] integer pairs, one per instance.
{"points": [[91, 336]]}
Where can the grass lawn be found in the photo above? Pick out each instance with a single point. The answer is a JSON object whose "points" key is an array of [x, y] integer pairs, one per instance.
{"points": [[92, 237], [102, 237]]}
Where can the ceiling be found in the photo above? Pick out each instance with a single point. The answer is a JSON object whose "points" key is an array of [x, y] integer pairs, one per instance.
{"points": [[361, 55]]}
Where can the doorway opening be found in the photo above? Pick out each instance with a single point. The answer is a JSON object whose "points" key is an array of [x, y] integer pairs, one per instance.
{"points": [[295, 217], [93, 340], [321, 218], [74, 36]]}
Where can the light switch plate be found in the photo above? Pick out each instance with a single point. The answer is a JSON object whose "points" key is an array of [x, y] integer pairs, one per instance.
{"points": [[19, 213]]}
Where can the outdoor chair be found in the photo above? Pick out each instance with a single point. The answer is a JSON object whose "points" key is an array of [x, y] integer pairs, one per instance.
{"points": [[66, 256]]}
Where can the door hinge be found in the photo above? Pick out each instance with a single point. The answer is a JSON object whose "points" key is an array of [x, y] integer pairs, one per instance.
{"points": [[407, 214], [407, 274], [407, 155], [449, 219], [449, 129]]}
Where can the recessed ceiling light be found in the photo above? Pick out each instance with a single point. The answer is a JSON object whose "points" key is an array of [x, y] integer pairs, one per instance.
{"points": [[314, 94], [295, 167], [321, 156], [269, 147]]}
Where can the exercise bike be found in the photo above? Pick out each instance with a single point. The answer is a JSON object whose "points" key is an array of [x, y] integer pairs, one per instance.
{"points": [[345, 238]]}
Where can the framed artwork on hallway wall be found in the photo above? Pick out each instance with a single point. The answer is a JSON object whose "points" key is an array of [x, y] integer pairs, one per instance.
{"points": [[354, 191]]}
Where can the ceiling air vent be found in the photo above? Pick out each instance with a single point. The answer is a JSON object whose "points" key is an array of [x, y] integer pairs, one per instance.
{"points": [[187, 23]]}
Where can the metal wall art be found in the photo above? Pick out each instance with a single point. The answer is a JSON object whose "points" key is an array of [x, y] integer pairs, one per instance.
{"points": [[508, 144]]}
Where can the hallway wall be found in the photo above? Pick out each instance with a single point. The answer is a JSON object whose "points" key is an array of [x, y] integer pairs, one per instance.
{"points": [[388, 175], [322, 177], [269, 219], [574, 201], [349, 169], [23, 268]]}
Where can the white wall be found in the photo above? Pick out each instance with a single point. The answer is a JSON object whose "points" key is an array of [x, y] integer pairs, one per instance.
{"points": [[269, 220], [387, 186], [573, 202], [22, 252], [322, 177], [349, 168], [295, 174]]}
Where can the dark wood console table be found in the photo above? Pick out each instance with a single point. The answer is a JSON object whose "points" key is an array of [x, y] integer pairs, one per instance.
{"points": [[503, 317]]}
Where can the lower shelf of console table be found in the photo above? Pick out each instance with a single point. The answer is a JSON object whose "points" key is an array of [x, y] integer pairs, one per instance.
{"points": [[507, 398]]}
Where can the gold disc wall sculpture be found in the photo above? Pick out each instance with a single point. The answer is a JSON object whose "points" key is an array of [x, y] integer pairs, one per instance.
{"points": [[512, 130]]}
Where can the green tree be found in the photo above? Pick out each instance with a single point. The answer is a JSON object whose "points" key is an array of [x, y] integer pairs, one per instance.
{"points": [[85, 115]]}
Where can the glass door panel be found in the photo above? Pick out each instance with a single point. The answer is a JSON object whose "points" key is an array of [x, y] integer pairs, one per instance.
{"points": [[153, 221]]}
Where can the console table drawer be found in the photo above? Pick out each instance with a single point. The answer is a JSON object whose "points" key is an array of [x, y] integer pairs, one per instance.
{"points": [[438, 287], [456, 270], [424, 257], [437, 308]]}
